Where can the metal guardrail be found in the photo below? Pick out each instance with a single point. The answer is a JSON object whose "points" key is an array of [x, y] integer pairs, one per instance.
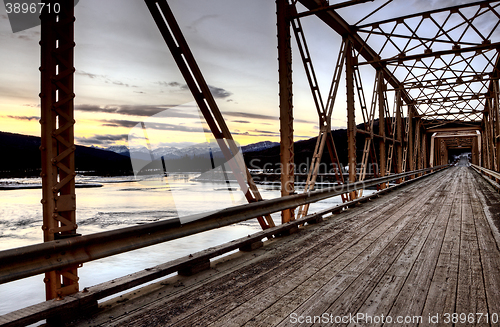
{"points": [[487, 171], [35, 259]]}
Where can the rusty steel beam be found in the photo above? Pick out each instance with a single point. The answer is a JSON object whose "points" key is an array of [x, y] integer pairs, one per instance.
{"points": [[401, 58], [496, 112], [381, 126], [399, 134], [36, 259], [329, 8], [57, 139], [286, 104], [188, 66], [351, 118]]}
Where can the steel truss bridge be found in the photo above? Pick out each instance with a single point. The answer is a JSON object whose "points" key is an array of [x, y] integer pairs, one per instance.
{"points": [[440, 67]]}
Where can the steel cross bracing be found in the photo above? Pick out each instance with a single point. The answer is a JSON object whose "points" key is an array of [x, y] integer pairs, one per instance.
{"points": [[444, 58], [324, 113], [443, 67]]}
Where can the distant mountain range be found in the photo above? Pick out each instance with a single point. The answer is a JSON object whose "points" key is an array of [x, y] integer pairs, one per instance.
{"points": [[21, 155], [198, 150]]}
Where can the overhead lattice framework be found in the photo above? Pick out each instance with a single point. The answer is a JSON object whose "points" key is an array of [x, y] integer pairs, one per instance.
{"points": [[445, 59]]}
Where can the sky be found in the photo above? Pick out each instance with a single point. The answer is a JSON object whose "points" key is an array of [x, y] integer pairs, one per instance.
{"points": [[125, 73]]}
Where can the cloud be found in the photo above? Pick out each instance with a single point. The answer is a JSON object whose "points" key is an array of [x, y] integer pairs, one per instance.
{"points": [[90, 75], [258, 116], [241, 121], [172, 84], [217, 92], [194, 25], [119, 123], [105, 78], [102, 139], [266, 132], [249, 115], [27, 118], [137, 110], [149, 125]]}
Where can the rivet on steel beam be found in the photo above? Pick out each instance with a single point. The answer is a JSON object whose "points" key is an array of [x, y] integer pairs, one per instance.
{"points": [[43, 201], [46, 280], [44, 227]]}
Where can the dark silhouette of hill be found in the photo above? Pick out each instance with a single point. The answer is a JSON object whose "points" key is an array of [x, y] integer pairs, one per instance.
{"points": [[304, 149], [21, 157]]}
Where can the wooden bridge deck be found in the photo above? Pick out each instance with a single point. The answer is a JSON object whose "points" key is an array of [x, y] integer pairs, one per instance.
{"points": [[429, 248]]}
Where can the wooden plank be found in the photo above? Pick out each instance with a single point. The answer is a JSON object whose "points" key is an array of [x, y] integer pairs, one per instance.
{"points": [[298, 270], [248, 285], [489, 254], [411, 299], [441, 297], [418, 226], [323, 298], [371, 240], [382, 297], [347, 218], [471, 296]]}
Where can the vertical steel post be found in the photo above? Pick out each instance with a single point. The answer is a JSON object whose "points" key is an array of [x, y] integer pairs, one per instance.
{"points": [[434, 152], [496, 113], [399, 135], [486, 137], [57, 137], [424, 151], [381, 126], [474, 152], [411, 137], [351, 118], [286, 104]]}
